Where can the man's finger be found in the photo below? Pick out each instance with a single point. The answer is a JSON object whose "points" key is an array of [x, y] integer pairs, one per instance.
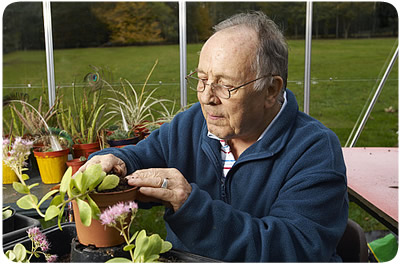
{"points": [[165, 195], [145, 180]]}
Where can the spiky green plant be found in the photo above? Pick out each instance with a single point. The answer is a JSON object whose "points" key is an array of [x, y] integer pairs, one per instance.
{"points": [[133, 109]]}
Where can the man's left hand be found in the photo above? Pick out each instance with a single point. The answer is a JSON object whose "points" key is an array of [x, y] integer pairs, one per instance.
{"points": [[150, 181]]}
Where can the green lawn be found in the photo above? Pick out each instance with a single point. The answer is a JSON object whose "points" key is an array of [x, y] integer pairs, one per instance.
{"points": [[343, 74]]}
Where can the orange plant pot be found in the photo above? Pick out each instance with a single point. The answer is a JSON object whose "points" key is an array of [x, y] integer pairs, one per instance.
{"points": [[52, 165], [97, 234]]}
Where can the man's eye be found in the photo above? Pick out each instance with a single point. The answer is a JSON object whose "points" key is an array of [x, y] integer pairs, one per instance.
{"points": [[226, 86]]}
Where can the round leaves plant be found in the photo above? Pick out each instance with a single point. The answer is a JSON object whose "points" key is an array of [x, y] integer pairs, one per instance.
{"points": [[79, 188]]}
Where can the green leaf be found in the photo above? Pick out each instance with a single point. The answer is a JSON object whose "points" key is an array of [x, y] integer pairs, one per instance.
{"points": [[48, 195], [20, 188], [7, 213], [129, 247], [10, 255], [142, 242], [151, 258], [94, 176], [19, 252], [119, 260], [66, 180], [85, 212], [33, 185], [27, 202], [25, 177], [95, 181], [60, 215], [93, 171], [154, 246], [133, 236], [166, 246], [95, 209], [77, 182], [51, 212], [57, 200], [109, 182]]}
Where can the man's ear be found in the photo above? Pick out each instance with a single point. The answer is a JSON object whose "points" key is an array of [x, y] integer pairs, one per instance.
{"points": [[274, 90]]}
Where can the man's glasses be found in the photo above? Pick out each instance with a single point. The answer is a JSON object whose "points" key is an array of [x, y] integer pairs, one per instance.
{"points": [[220, 90]]}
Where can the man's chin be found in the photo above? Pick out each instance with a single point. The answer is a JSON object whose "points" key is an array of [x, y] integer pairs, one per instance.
{"points": [[219, 133]]}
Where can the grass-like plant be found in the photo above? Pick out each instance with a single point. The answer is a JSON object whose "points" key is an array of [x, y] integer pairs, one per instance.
{"points": [[84, 119], [133, 109]]}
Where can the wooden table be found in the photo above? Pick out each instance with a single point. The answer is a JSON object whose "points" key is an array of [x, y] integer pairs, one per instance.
{"points": [[372, 177]]}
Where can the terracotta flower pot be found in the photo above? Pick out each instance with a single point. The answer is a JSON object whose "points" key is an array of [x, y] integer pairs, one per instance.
{"points": [[75, 164], [52, 165], [97, 234], [85, 149]]}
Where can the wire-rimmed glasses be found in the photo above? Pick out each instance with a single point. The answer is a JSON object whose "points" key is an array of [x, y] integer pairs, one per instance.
{"points": [[220, 90]]}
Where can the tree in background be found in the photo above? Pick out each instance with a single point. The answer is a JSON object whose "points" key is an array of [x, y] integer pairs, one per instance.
{"points": [[199, 22], [75, 25], [23, 27], [91, 24], [130, 22]]}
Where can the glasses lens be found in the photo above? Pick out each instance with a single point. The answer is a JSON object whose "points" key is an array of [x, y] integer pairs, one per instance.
{"points": [[194, 84], [221, 91]]}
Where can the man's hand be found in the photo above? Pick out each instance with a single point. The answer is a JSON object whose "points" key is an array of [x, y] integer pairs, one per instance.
{"points": [[150, 181], [109, 163]]}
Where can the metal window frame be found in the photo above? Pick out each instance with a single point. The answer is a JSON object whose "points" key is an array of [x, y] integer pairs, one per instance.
{"points": [[183, 61]]}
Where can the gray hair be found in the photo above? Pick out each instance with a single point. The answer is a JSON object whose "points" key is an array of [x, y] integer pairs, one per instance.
{"points": [[272, 51]]}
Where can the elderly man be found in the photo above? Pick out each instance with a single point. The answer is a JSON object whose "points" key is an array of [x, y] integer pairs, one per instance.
{"points": [[245, 176]]}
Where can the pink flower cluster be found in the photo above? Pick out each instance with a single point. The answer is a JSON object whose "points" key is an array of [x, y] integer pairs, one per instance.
{"points": [[117, 212], [39, 240], [15, 154]]}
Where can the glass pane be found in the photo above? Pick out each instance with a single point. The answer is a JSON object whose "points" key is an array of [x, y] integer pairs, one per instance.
{"points": [[351, 47], [24, 58], [290, 17], [118, 40]]}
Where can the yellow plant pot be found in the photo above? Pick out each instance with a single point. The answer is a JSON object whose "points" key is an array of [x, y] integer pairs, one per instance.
{"points": [[9, 176], [52, 165]]}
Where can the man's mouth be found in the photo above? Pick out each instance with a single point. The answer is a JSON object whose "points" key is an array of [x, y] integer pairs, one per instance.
{"points": [[214, 116]]}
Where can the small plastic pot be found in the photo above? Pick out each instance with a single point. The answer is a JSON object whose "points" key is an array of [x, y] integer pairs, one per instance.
{"points": [[52, 165], [75, 164], [85, 149], [9, 175]]}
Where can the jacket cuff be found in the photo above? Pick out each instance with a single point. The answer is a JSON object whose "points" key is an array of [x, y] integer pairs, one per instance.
{"points": [[189, 211]]}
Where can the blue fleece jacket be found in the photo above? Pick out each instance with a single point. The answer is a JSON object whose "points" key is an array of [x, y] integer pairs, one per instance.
{"points": [[285, 198]]}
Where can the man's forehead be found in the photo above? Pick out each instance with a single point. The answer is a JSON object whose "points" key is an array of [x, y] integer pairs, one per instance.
{"points": [[226, 49]]}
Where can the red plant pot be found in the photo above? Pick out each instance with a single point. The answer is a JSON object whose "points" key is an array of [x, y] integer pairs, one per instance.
{"points": [[75, 164], [85, 149]]}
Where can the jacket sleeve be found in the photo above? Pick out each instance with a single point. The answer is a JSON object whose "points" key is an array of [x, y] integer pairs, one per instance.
{"points": [[304, 223], [147, 153]]}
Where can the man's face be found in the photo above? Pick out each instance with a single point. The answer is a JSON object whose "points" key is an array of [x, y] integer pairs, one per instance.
{"points": [[226, 59]]}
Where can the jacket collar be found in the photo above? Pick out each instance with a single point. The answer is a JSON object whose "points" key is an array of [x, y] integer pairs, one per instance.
{"points": [[272, 142]]}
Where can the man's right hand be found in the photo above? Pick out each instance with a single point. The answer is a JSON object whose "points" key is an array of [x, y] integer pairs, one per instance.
{"points": [[109, 163]]}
